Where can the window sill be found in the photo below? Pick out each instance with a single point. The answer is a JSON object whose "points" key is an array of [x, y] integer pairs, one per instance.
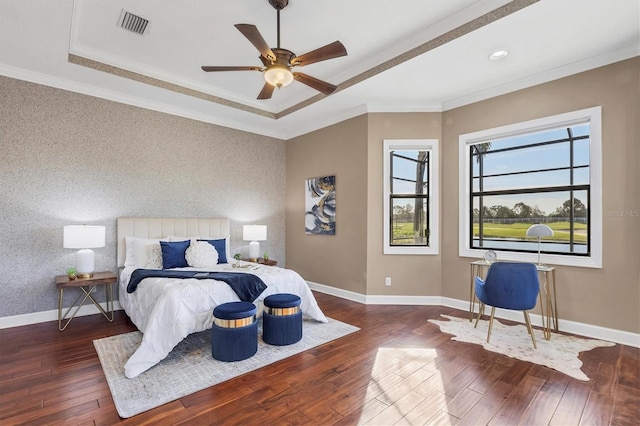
{"points": [[411, 250], [550, 259]]}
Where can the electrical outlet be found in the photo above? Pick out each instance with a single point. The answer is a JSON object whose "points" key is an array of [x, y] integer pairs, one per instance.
{"points": [[387, 281]]}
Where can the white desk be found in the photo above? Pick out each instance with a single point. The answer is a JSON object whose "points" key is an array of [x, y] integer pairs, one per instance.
{"points": [[548, 308]]}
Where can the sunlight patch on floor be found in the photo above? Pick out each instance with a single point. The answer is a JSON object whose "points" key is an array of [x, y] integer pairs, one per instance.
{"points": [[405, 388]]}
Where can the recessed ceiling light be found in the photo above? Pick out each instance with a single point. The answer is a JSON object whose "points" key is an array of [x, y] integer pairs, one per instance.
{"points": [[498, 54]]}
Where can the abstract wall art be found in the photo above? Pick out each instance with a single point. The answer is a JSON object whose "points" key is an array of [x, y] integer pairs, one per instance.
{"points": [[320, 205]]}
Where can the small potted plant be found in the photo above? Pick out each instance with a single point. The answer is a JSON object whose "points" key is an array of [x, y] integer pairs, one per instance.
{"points": [[236, 256], [265, 256], [72, 273]]}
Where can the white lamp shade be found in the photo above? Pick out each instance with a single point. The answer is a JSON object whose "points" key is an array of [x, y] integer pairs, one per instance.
{"points": [[83, 236], [254, 232], [539, 231]]}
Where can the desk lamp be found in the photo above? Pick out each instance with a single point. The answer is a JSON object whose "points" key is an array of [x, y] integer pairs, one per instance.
{"points": [[539, 231]]}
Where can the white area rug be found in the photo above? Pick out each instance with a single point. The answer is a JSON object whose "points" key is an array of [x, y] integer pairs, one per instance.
{"points": [[560, 353], [190, 367]]}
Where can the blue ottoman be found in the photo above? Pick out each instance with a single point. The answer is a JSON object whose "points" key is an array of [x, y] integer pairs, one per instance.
{"points": [[234, 334], [282, 319]]}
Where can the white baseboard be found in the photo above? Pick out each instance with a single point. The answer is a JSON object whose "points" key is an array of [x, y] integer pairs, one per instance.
{"points": [[45, 316], [581, 329]]}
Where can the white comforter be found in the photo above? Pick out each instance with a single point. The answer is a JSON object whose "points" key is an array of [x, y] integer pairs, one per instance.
{"points": [[166, 310]]}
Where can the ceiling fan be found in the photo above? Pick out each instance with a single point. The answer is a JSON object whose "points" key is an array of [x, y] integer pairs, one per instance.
{"points": [[278, 62]]}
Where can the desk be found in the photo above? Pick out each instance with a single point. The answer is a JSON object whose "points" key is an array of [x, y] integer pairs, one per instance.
{"points": [[548, 308], [87, 285]]}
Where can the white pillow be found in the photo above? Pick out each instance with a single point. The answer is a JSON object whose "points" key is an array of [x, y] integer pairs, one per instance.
{"points": [[201, 254], [137, 251], [194, 238], [154, 256]]}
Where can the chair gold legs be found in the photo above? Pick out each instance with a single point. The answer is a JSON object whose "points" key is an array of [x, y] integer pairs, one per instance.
{"points": [[530, 329], [480, 312], [493, 311], [527, 321]]}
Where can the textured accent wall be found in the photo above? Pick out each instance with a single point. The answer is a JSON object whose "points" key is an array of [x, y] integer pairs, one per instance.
{"points": [[72, 159]]}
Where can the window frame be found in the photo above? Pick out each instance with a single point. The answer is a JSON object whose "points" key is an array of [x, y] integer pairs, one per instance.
{"points": [[593, 116], [430, 145]]}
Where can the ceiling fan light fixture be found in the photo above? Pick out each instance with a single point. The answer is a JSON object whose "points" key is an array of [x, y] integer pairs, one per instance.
{"points": [[278, 76]]}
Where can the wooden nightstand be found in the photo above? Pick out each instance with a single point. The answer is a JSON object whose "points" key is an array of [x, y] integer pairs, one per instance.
{"points": [[87, 285], [261, 261]]}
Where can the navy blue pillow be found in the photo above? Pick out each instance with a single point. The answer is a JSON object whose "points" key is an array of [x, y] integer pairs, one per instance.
{"points": [[221, 247], [173, 254]]}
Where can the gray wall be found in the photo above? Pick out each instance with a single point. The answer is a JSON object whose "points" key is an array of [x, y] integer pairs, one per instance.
{"points": [[69, 159]]}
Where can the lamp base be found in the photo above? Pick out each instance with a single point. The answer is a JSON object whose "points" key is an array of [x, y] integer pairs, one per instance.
{"points": [[89, 275], [84, 263], [254, 250]]}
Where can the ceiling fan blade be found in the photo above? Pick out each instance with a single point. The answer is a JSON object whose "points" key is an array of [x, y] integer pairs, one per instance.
{"points": [[253, 35], [232, 68], [330, 51], [266, 92], [319, 85]]}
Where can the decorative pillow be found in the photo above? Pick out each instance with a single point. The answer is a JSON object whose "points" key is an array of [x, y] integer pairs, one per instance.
{"points": [[221, 247], [173, 254], [154, 257], [201, 254], [137, 250]]}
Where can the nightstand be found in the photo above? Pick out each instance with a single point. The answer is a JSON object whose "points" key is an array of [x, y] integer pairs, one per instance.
{"points": [[87, 285], [261, 261]]}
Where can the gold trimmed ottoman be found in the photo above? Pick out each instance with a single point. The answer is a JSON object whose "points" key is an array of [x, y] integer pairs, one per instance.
{"points": [[282, 319], [234, 333]]}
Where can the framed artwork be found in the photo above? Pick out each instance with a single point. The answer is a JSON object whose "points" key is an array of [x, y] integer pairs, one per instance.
{"points": [[320, 205]]}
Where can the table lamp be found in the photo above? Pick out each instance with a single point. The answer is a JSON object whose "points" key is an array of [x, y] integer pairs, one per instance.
{"points": [[85, 238], [254, 233], [539, 231]]}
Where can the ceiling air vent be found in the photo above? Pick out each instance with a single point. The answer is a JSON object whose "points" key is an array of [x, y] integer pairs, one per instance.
{"points": [[132, 22]]}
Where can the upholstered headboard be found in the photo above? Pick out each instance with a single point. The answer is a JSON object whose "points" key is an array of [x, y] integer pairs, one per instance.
{"points": [[160, 227]]}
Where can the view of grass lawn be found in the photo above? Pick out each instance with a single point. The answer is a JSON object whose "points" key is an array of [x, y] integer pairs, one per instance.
{"points": [[519, 231], [403, 233]]}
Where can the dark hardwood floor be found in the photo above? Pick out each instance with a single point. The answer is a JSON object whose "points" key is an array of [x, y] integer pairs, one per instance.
{"points": [[398, 369]]}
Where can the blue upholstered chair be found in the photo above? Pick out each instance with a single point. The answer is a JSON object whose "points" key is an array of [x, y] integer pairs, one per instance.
{"points": [[509, 285]]}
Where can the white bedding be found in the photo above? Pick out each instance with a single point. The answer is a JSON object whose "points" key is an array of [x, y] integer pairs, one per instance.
{"points": [[166, 310]]}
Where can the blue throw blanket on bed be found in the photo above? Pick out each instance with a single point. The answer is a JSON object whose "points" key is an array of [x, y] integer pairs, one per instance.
{"points": [[246, 286]]}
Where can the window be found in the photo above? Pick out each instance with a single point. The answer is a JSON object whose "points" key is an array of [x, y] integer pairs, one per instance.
{"points": [[542, 171], [410, 196]]}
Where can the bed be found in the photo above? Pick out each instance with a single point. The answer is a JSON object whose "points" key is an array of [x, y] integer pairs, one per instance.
{"points": [[166, 309]]}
